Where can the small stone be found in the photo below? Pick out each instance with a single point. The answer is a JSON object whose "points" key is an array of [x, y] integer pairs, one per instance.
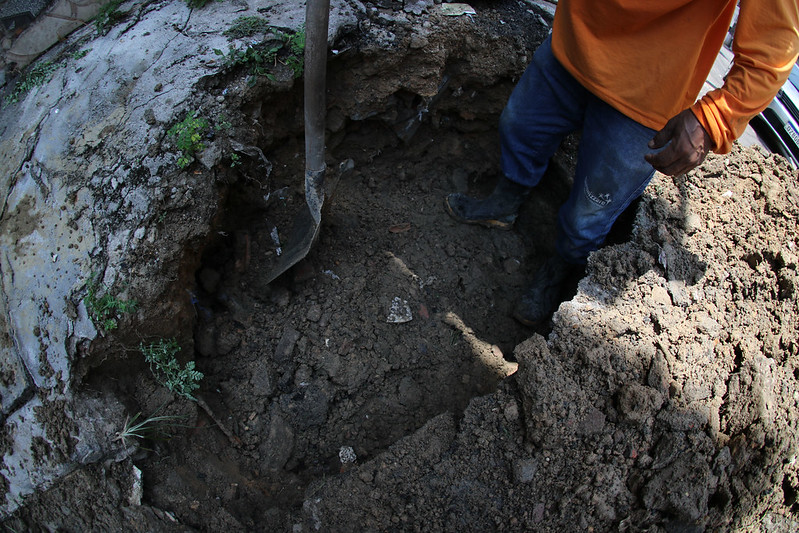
{"points": [[692, 223], [263, 380], [302, 376], [410, 394], [285, 346], [276, 448], [538, 512], [524, 470], [399, 312], [592, 423], [707, 325], [511, 412], [660, 296], [347, 455], [695, 391], [331, 363], [314, 313], [511, 265], [679, 293]]}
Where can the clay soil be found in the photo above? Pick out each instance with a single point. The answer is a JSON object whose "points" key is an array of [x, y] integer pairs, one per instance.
{"points": [[382, 385]]}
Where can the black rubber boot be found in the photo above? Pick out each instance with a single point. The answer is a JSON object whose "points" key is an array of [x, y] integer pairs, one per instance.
{"points": [[545, 291], [498, 210]]}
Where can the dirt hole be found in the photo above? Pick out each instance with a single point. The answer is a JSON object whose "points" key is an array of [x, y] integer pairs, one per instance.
{"points": [[308, 373]]}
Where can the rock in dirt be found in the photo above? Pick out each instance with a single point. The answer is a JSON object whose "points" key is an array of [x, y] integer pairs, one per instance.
{"points": [[399, 311], [275, 450], [285, 345], [524, 470]]}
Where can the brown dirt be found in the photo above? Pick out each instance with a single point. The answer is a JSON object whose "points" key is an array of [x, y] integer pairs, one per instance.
{"points": [[663, 397]]}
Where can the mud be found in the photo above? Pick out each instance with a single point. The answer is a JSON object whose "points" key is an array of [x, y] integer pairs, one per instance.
{"points": [[662, 396]]}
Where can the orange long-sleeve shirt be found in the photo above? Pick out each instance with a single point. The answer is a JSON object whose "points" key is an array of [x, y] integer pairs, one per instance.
{"points": [[649, 59]]}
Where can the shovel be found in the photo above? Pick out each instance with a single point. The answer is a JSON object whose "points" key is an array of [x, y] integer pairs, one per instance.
{"points": [[305, 228]]}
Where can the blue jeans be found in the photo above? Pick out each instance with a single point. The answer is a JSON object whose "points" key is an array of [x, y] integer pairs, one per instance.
{"points": [[546, 105]]}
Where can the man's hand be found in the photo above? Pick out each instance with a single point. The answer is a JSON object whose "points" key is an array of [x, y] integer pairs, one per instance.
{"points": [[688, 145]]}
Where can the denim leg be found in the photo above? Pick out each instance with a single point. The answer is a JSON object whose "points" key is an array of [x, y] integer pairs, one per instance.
{"points": [[546, 105], [611, 173]]}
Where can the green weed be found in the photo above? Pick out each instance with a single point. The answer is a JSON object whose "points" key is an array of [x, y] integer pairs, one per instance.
{"points": [[161, 356], [247, 27], [108, 16], [296, 45], [188, 135], [37, 75], [259, 59], [235, 160], [105, 309], [222, 124], [256, 59]]}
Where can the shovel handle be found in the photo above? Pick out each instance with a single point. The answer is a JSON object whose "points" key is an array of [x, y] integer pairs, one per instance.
{"points": [[317, 14]]}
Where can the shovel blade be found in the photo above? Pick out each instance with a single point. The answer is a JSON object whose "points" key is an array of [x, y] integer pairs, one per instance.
{"points": [[304, 231]]}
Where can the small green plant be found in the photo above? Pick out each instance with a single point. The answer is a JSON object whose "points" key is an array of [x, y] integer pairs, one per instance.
{"points": [[188, 136], [296, 45], [105, 309], [257, 60], [108, 16], [37, 75], [235, 160], [247, 26], [81, 54], [222, 124], [152, 428], [286, 47], [161, 356]]}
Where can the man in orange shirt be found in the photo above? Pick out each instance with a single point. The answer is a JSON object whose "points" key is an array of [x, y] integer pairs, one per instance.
{"points": [[627, 73]]}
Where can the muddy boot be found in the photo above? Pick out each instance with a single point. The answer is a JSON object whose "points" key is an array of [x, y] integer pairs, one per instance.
{"points": [[545, 291], [498, 210]]}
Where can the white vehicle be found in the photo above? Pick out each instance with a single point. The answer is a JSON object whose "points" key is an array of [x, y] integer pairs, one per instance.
{"points": [[778, 124]]}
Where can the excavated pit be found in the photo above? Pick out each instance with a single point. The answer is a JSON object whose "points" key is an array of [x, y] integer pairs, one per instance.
{"points": [[314, 364], [313, 370]]}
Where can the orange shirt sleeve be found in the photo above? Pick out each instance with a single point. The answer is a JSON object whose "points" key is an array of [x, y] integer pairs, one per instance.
{"points": [[649, 59], [766, 44]]}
